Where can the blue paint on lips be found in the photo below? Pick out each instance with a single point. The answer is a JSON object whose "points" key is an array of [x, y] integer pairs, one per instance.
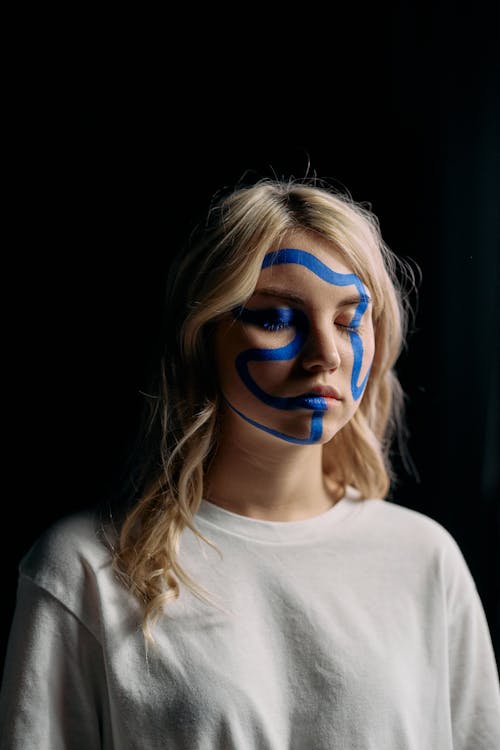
{"points": [[311, 402]]}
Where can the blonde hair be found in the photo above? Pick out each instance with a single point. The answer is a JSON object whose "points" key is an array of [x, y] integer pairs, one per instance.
{"points": [[217, 272]]}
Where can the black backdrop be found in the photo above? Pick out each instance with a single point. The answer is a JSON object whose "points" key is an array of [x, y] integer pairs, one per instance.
{"points": [[118, 144]]}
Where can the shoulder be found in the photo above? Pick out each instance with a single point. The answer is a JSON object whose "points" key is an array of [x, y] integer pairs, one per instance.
{"points": [[73, 540], [391, 517], [417, 536], [70, 559]]}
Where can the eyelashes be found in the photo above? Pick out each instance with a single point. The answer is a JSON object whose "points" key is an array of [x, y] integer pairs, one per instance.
{"points": [[275, 320], [347, 329], [272, 319], [281, 325], [274, 326]]}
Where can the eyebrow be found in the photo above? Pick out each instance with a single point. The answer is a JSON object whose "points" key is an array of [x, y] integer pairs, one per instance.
{"points": [[354, 299]]}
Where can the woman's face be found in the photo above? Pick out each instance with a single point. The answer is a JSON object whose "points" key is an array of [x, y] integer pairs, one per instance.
{"points": [[307, 327]]}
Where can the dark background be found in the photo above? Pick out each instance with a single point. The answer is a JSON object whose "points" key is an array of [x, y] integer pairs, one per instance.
{"points": [[118, 141]]}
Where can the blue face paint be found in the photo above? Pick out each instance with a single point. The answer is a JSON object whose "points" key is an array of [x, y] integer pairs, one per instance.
{"points": [[290, 255], [275, 319], [279, 318]]}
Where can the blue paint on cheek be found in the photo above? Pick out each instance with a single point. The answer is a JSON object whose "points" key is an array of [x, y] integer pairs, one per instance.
{"points": [[357, 347], [301, 325], [299, 320]]}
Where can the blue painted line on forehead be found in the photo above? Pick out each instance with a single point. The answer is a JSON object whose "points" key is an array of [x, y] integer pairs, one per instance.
{"points": [[303, 258]]}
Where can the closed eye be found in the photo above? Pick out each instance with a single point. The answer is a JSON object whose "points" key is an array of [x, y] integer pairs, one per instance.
{"points": [[276, 325], [347, 328], [271, 320]]}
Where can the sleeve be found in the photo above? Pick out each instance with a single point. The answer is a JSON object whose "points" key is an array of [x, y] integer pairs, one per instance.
{"points": [[473, 673], [53, 689]]}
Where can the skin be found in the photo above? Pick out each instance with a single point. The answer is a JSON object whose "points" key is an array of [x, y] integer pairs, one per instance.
{"points": [[268, 465]]}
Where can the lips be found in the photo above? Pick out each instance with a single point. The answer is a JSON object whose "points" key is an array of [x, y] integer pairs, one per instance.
{"points": [[323, 390], [315, 398]]}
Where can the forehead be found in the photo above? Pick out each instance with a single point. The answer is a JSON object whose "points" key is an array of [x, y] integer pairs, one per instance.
{"points": [[313, 261]]}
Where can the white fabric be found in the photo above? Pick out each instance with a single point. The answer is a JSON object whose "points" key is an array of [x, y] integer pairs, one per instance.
{"points": [[358, 629]]}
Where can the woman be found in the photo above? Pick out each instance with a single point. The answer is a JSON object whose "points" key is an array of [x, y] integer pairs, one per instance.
{"points": [[259, 592]]}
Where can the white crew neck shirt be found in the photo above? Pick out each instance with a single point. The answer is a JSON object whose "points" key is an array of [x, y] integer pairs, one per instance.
{"points": [[360, 628]]}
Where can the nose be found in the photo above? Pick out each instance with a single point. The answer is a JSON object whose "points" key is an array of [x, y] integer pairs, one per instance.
{"points": [[320, 350]]}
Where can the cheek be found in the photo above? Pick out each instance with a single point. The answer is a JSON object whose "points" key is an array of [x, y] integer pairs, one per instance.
{"points": [[231, 341], [356, 361], [271, 373], [368, 352], [272, 354], [357, 347]]}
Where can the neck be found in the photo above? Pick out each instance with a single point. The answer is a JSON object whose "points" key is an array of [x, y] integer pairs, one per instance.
{"points": [[269, 479]]}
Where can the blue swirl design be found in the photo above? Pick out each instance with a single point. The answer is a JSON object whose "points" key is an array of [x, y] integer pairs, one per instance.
{"points": [[301, 324]]}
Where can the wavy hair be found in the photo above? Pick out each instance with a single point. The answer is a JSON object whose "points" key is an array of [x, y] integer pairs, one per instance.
{"points": [[216, 272]]}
